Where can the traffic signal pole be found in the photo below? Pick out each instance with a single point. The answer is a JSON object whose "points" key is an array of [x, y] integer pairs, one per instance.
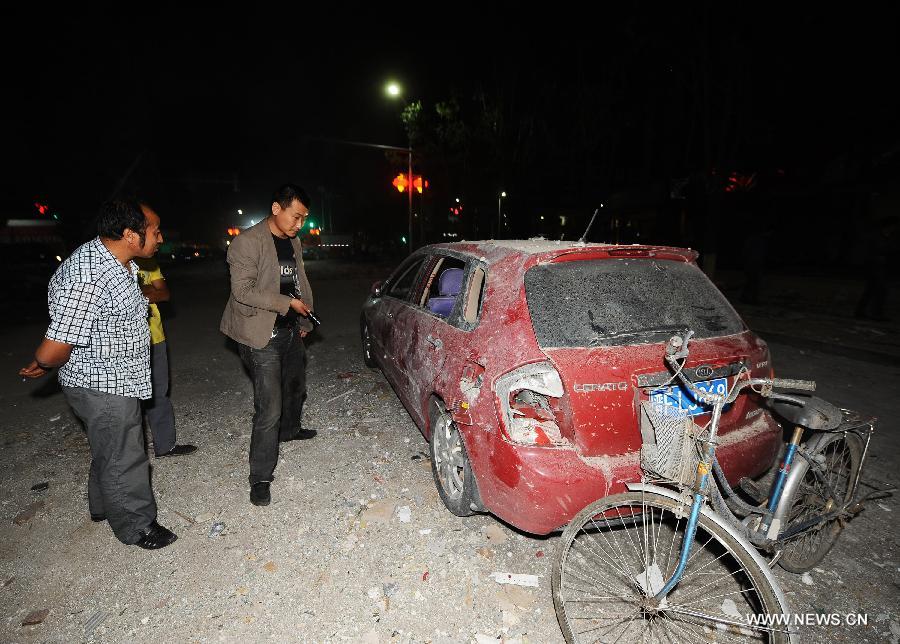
{"points": [[394, 148]]}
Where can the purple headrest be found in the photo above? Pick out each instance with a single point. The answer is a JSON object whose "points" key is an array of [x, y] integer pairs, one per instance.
{"points": [[450, 282]]}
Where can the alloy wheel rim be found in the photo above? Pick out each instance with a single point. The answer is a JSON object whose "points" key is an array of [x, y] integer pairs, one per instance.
{"points": [[448, 457]]}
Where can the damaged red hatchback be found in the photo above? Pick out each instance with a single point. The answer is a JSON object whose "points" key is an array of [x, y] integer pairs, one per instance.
{"points": [[524, 363]]}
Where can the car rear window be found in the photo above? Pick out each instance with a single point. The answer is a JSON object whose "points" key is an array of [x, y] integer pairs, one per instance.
{"points": [[613, 302]]}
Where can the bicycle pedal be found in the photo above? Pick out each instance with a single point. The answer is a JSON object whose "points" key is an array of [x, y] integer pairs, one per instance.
{"points": [[750, 488]]}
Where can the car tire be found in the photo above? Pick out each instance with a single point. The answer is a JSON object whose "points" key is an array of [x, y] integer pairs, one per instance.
{"points": [[368, 351], [450, 465]]}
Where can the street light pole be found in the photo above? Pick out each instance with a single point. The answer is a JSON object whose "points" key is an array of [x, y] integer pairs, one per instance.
{"points": [[393, 90], [409, 190]]}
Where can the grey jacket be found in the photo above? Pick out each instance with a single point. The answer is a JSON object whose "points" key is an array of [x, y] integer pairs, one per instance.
{"points": [[256, 297]]}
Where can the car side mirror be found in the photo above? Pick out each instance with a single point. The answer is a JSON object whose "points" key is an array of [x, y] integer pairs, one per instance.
{"points": [[376, 289]]}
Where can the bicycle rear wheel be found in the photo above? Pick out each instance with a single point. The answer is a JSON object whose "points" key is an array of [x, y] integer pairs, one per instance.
{"points": [[618, 553], [826, 481]]}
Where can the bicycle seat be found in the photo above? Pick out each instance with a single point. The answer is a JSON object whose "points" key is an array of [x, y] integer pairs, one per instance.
{"points": [[814, 413]]}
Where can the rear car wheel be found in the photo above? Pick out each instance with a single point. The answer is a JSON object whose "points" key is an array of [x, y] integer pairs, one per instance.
{"points": [[450, 464], [368, 352]]}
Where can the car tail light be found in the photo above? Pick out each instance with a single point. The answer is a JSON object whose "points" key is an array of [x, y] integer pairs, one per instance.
{"points": [[528, 401]]}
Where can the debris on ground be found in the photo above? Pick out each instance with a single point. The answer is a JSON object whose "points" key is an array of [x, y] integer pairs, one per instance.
{"points": [[28, 513], [531, 581], [36, 617]]}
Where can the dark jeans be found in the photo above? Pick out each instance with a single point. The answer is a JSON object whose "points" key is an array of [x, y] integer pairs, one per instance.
{"points": [[119, 482], [278, 371], [160, 414]]}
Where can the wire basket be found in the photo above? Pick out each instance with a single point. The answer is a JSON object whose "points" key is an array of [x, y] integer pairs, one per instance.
{"points": [[669, 450]]}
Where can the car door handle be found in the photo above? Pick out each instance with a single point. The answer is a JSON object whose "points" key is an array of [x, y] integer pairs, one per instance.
{"points": [[435, 342]]}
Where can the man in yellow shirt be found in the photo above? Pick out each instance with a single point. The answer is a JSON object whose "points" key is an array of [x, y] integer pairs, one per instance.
{"points": [[160, 414]]}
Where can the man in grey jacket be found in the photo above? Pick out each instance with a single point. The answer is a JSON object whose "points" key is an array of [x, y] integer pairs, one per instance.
{"points": [[266, 315]]}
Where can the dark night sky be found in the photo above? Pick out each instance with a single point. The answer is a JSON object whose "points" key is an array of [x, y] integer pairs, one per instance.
{"points": [[201, 96]]}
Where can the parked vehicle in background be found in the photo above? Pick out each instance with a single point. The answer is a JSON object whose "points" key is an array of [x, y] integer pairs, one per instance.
{"points": [[524, 364]]}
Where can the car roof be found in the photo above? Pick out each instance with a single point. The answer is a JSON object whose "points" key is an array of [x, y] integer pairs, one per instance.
{"points": [[496, 249]]}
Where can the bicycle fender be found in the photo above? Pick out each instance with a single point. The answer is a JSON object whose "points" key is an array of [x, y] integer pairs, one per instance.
{"points": [[752, 551], [791, 483]]}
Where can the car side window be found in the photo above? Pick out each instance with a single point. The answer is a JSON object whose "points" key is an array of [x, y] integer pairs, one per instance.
{"points": [[402, 288], [444, 284]]}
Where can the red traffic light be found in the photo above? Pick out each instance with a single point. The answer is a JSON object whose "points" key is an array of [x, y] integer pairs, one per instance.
{"points": [[401, 183]]}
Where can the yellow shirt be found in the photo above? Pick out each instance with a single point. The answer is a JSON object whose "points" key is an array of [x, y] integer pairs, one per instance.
{"points": [[147, 277]]}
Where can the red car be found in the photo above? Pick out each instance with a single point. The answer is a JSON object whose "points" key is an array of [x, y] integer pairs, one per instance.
{"points": [[524, 363]]}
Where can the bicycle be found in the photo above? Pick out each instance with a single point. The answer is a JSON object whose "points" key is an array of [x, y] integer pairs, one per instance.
{"points": [[677, 558]]}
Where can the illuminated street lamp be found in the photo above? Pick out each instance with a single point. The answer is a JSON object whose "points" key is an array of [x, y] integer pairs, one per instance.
{"points": [[395, 91], [499, 215]]}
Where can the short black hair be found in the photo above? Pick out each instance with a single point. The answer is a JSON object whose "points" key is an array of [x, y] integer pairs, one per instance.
{"points": [[284, 196], [118, 214]]}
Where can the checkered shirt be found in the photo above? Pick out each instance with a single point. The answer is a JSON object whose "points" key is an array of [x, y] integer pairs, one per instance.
{"points": [[97, 306]]}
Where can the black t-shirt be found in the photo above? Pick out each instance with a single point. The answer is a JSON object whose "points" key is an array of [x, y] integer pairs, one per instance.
{"points": [[288, 265]]}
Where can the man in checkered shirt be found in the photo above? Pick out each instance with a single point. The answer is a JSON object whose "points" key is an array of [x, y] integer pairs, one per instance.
{"points": [[99, 338]]}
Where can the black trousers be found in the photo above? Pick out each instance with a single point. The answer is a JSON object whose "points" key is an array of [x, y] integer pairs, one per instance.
{"points": [[278, 371]]}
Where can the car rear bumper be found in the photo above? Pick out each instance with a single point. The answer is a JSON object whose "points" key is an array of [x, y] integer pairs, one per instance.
{"points": [[540, 489]]}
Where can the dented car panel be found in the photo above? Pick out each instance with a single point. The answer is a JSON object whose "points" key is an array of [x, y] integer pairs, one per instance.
{"points": [[547, 400]]}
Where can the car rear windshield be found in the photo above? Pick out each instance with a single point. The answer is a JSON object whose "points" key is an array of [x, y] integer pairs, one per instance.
{"points": [[613, 302]]}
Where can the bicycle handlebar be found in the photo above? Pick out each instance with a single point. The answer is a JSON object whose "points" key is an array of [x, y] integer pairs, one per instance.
{"points": [[677, 349], [788, 383]]}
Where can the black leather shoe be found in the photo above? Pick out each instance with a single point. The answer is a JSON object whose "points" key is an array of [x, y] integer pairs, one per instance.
{"points": [[179, 450], [97, 518], [259, 493], [300, 435], [156, 537]]}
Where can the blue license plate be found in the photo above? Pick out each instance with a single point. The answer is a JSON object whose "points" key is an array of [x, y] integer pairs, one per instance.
{"points": [[679, 398]]}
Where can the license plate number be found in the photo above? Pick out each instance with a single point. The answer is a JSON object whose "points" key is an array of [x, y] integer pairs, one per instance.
{"points": [[679, 398]]}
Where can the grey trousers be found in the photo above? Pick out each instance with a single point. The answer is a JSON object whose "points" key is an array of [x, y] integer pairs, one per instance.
{"points": [[119, 483], [160, 415]]}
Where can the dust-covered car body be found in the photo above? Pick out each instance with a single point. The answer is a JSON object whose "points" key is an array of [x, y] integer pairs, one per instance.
{"points": [[538, 354]]}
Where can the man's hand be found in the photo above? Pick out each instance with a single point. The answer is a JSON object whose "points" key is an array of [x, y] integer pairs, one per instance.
{"points": [[33, 370], [299, 307]]}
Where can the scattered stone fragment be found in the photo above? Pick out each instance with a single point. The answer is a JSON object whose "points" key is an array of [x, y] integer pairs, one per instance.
{"points": [[389, 590], [374, 593], [530, 581], [370, 637], [36, 617], [404, 514], [379, 512], [40, 487], [216, 529], [270, 567], [511, 597], [495, 533], [28, 513], [487, 553], [510, 618], [425, 531], [807, 579], [55, 418]]}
